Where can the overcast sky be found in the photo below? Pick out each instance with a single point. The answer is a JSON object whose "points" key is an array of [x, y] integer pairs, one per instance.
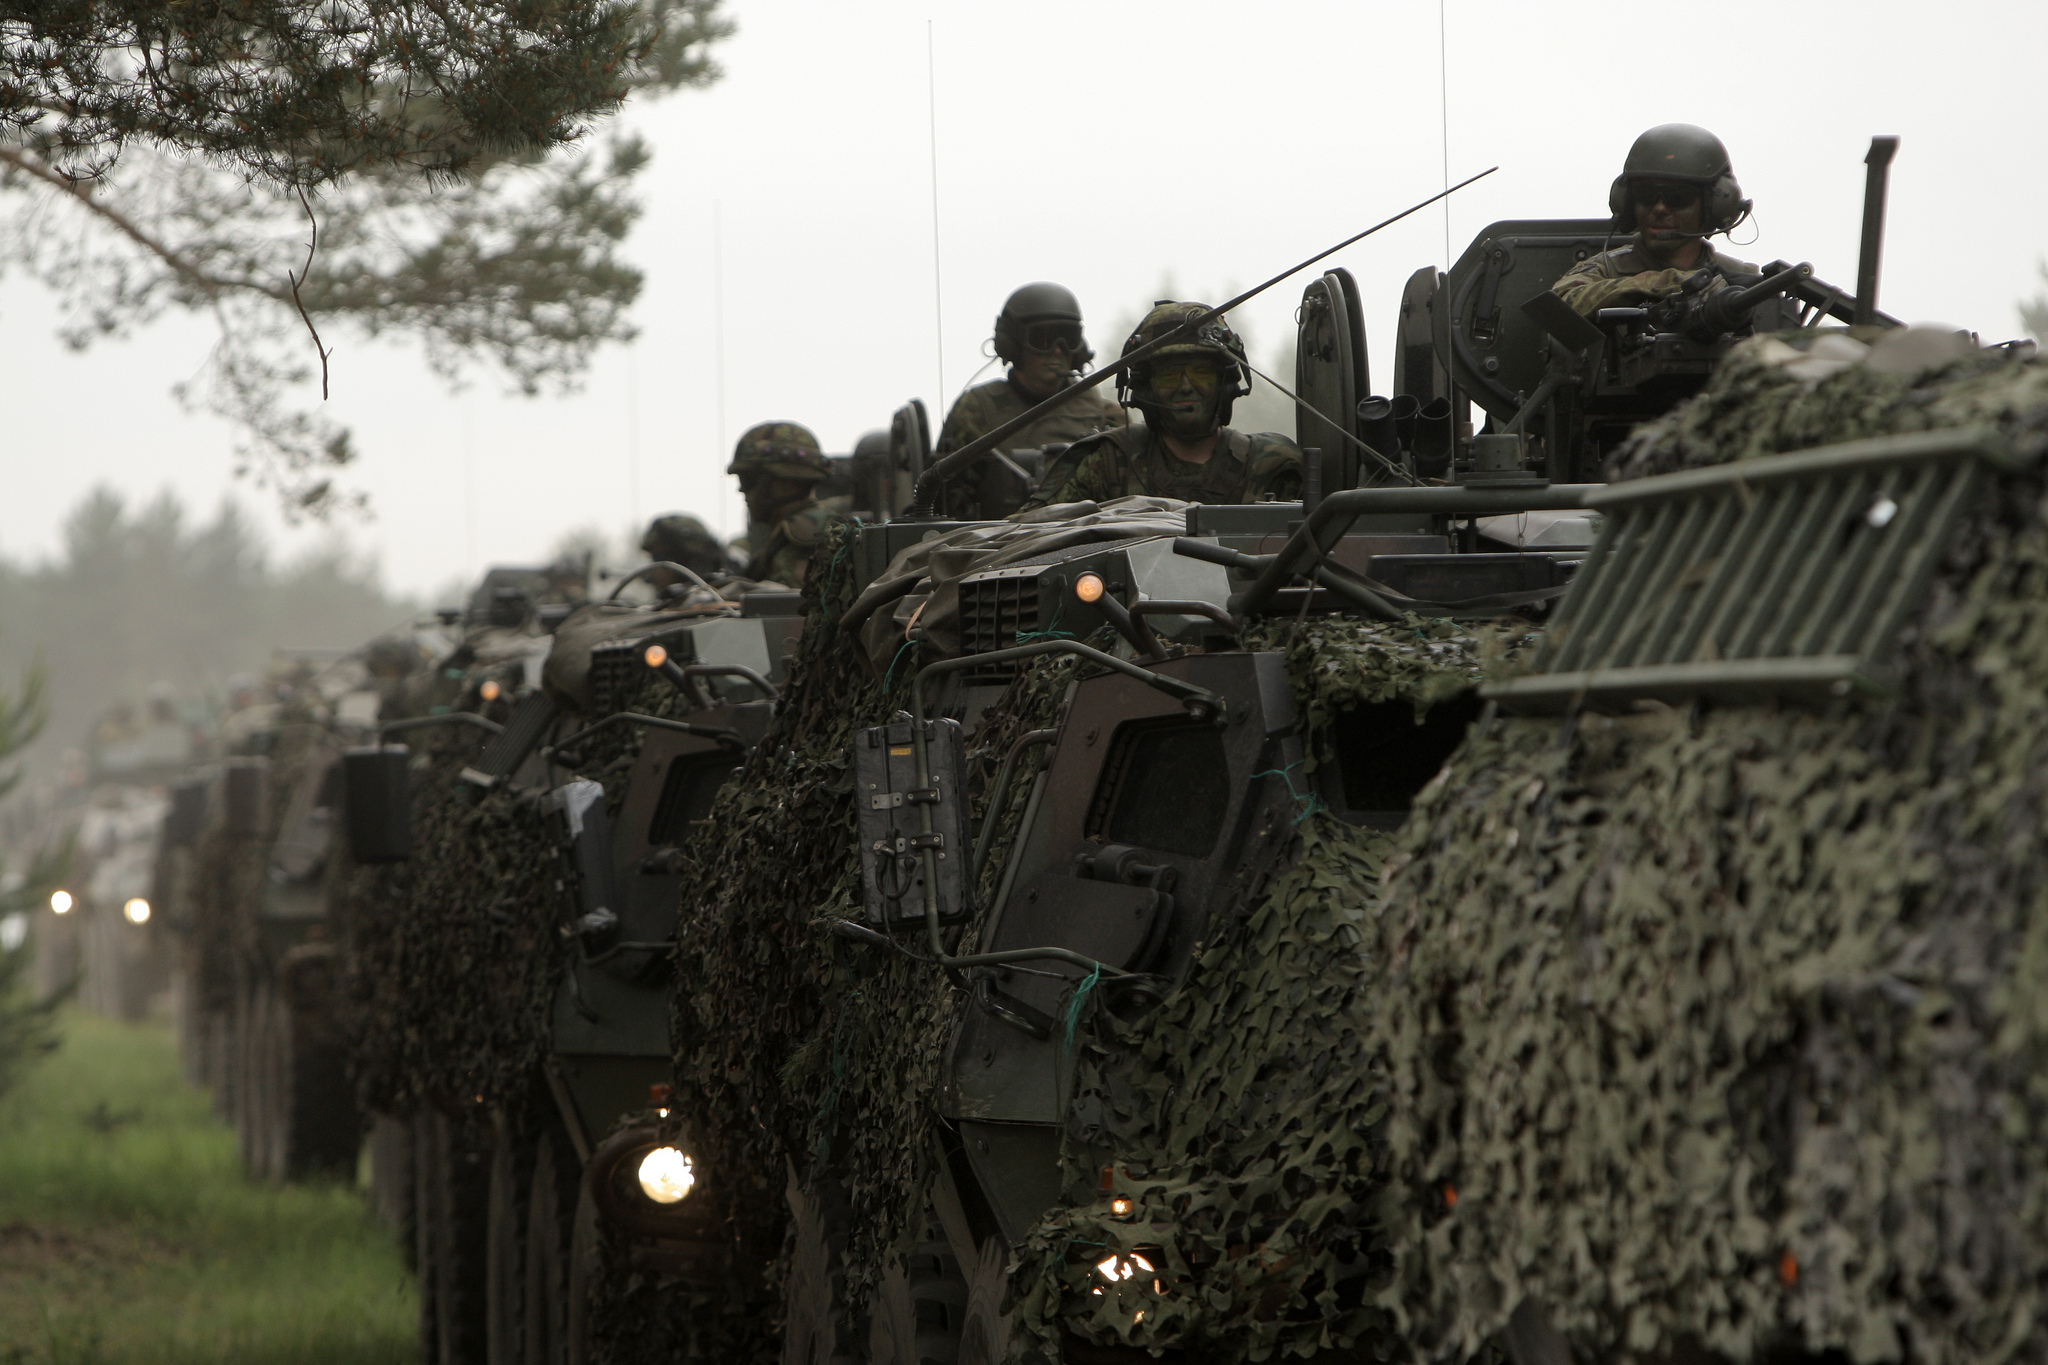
{"points": [[1106, 145]]}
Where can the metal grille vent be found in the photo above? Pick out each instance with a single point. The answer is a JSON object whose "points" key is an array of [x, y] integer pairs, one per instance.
{"points": [[1788, 575], [615, 671], [995, 609]]}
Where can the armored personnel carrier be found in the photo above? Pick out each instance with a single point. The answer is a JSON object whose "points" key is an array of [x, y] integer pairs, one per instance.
{"points": [[1038, 992]]}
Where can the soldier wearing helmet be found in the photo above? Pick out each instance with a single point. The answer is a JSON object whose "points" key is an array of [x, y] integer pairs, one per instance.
{"points": [[1675, 191], [679, 538], [780, 465], [1038, 335], [1184, 449]]}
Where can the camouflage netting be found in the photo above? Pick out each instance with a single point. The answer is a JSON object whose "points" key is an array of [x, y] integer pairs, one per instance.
{"points": [[1240, 1113], [832, 1068], [1728, 1027], [452, 956]]}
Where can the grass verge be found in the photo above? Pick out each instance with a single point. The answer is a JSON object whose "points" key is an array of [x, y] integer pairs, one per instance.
{"points": [[128, 1233]]}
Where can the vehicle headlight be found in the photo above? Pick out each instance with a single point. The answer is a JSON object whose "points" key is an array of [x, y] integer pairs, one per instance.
{"points": [[61, 902], [666, 1175], [137, 911]]}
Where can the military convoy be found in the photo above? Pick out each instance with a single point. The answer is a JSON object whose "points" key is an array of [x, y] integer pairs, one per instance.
{"points": [[1209, 932]]}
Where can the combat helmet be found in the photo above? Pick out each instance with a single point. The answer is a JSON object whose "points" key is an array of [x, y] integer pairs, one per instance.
{"points": [[784, 450], [680, 538], [1680, 151], [1038, 316], [1213, 339]]}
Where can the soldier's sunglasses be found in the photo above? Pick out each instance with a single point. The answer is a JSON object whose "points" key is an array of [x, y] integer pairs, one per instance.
{"points": [[1167, 375], [1673, 194], [1046, 337]]}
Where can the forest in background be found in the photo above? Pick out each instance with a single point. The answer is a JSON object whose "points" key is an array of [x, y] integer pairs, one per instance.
{"points": [[145, 596]]}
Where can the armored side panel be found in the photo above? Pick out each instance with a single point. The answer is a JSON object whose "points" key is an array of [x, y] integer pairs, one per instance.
{"points": [[1330, 377], [186, 817], [891, 804], [376, 790], [246, 796], [509, 747], [1137, 832]]}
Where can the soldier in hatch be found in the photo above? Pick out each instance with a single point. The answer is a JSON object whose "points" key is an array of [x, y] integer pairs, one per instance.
{"points": [[679, 538], [1675, 191], [1038, 335], [1184, 449], [779, 466]]}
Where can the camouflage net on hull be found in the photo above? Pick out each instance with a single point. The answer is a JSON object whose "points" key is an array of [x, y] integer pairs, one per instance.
{"points": [[1726, 1028], [1240, 1115], [802, 1051], [452, 956]]}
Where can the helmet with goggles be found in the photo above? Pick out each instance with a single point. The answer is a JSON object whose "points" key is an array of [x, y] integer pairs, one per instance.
{"points": [[1682, 165], [1038, 319], [785, 450], [1210, 354]]}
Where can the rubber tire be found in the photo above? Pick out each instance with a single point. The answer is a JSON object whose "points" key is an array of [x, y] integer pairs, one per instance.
{"points": [[816, 1329], [316, 1126], [550, 1216], [512, 1156], [920, 1310], [985, 1329], [452, 1160]]}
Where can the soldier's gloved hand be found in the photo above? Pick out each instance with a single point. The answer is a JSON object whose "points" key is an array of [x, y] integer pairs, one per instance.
{"points": [[1657, 284]]}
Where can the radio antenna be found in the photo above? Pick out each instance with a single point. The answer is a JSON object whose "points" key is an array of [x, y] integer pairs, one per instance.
{"points": [[931, 95], [718, 346], [1443, 118]]}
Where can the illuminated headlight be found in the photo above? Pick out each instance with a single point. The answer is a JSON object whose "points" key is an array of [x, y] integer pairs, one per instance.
{"points": [[666, 1175], [137, 910], [61, 902], [1114, 1268]]}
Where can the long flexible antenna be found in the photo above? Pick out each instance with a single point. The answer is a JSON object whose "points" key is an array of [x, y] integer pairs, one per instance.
{"points": [[931, 95], [1443, 118], [718, 346], [928, 483]]}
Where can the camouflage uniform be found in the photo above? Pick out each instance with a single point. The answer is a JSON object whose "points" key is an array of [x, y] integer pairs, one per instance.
{"points": [[985, 407], [788, 452], [785, 556], [1627, 276], [1133, 462]]}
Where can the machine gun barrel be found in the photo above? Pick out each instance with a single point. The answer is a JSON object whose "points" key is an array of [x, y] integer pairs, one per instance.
{"points": [[1770, 286], [929, 483]]}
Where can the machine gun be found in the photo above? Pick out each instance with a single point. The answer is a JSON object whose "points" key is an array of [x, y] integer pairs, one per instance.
{"points": [[1704, 313]]}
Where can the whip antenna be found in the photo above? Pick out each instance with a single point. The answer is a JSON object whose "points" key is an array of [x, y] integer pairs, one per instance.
{"points": [[932, 479]]}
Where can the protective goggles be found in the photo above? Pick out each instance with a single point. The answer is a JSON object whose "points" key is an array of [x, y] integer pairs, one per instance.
{"points": [[1057, 334], [1673, 194], [1167, 375]]}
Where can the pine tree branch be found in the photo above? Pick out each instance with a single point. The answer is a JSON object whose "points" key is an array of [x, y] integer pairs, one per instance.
{"points": [[209, 282]]}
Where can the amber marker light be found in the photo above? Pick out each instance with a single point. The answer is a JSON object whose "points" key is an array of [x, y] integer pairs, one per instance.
{"points": [[1089, 587], [1120, 1207], [137, 910], [654, 655], [490, 689], [61, 902]]}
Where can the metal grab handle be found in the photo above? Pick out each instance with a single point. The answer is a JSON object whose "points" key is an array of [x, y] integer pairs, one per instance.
{"points": [[1174, 606], [646, 569], [686, 676], [730, 738], [999, 794], [452, 718], [1346, 507]]}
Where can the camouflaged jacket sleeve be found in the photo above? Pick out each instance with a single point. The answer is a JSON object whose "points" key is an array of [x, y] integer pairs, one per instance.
{"points": [[1587, 288], [1094, 469]]}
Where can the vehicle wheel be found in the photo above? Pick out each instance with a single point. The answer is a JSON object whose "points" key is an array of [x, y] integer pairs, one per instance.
{"points": [[985, 1332], [585, 1253], [255, 1098], [815, 1325], [452, 1159], [512, 1156], [318, 1129], [391, 1180], [550, 1214], [920, 1309]]}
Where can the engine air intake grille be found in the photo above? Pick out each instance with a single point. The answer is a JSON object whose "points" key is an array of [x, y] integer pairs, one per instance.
{"points": [[616, 672], [995, 609], [1786, 575]]}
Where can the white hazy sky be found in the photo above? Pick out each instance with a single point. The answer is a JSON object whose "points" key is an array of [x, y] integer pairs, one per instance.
{"points": [[1105, 145]]}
